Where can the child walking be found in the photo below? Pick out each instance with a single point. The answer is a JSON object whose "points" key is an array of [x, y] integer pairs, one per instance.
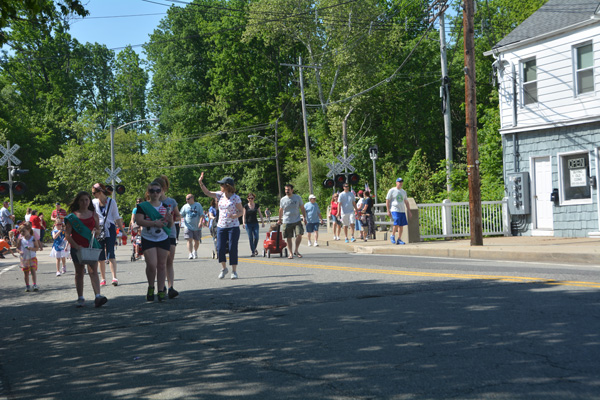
{"points": [[27, 245], [59, 250]]}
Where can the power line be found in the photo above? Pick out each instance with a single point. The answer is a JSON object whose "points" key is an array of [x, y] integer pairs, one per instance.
{"points": [[219, 163]]}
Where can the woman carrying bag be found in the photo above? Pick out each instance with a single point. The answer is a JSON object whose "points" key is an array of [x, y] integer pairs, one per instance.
{"points": [[80, 224], [108, 214]]}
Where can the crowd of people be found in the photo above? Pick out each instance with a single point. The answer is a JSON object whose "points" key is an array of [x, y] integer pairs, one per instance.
{"points": [[88, 232]]}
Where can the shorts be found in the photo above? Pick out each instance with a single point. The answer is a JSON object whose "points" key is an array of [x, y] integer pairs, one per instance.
{"points": [[29, 265], [195, 235], [149, 244], [173, 241], [399, 218], [293, 228], [336, 220], [312, 227], [348, 219]]}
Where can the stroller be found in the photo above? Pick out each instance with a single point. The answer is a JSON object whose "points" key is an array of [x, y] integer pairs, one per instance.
{"points": [[136, 241], [274, 244]]}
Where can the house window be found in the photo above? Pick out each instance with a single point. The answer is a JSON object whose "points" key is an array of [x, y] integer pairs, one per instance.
{"points": [[584, 69], [530, 93], [575, 177]]}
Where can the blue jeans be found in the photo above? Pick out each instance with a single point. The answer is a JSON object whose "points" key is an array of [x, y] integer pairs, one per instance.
{"points": [[252, 230], [108, 244], [227, 240]]}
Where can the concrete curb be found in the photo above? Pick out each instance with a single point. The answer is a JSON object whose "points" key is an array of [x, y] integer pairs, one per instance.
{"points": [[483, 253]]}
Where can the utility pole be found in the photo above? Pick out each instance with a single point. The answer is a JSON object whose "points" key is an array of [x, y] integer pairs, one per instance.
{"points": [[277, 160], [306, 140], [445, 95], [345, 140], [471, 120]]}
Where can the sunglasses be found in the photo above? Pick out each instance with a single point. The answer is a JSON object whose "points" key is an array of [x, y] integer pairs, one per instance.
{"points": [[189, 198], [250, 198], [154, 191]]}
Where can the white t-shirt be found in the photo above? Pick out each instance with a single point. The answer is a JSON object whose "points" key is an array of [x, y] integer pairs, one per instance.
{"points": [[111, 217], [227, 207], [153, 233], [291, 208], [346, 200], [396, 197]]}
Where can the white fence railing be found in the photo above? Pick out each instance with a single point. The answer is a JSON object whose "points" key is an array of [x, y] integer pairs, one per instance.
{"points": [[448, 219]]}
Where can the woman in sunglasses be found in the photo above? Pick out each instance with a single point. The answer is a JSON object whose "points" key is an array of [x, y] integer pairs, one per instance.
{"points": [[251, 213], [228, 227], [156, 223]]}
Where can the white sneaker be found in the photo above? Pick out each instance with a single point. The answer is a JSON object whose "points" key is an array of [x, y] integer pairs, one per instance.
{"points": [[316, 244], [223, 273], [195, 254], [191, 256], [309, 244], [234, 275]]}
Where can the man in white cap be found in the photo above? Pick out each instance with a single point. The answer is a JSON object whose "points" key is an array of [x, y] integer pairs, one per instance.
{"points": [[397, 206], [314, 218]]}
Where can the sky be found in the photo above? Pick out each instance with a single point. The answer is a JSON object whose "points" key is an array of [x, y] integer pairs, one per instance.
{"points": [[129, 22]]}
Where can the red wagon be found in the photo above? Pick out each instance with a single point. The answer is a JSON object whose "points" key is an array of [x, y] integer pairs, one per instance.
{"points": [[274, 244]]}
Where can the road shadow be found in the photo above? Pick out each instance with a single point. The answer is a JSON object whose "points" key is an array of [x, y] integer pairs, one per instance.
{"points": [[367, 339]]}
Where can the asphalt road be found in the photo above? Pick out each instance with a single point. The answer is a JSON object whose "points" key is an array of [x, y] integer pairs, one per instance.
{"points": [[328, 326]]}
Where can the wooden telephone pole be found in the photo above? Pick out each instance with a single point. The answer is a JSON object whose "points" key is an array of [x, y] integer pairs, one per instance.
{"points": [[471, 119]]}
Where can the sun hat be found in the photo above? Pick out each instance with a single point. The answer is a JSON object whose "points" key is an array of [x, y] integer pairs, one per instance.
{"points": [[312, 196]]}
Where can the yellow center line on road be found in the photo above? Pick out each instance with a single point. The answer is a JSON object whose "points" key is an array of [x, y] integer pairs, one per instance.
{"points": [[519, 279]]}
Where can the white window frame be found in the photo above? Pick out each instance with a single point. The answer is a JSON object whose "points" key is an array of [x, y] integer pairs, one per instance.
{"points": [[523, 83], [576, 71], [561, 177]]}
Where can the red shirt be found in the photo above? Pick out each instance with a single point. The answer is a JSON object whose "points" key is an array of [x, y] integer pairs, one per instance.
{"points": [[36, 222], [80, 240], [60, 212], [334, 208]]}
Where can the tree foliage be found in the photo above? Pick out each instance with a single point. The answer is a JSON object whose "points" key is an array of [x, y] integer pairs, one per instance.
{"points": [[218, 76]]}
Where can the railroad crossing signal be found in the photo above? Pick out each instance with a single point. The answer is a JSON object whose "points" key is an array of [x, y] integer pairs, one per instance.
{"points": [[113, 175], [334, 169], [9, 154], [345, 162]]}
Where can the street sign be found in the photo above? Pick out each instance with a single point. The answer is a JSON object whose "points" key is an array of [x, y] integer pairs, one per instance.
{"points": [[9, 154], [345, 163], [113, 175]]}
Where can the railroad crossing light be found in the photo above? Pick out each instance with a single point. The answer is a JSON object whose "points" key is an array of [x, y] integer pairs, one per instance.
{"points": [[340, 180], [120, 189], [16, 172], [353, 179], [4, 189], [19, 188], [328, 183]]}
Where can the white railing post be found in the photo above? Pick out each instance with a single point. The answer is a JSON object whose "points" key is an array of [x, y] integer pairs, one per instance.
{"points": [[446, 218], [506, 218]]}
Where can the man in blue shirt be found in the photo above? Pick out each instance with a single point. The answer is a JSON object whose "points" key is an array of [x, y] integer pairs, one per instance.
{"points": [[314, 218], [193, 218]]}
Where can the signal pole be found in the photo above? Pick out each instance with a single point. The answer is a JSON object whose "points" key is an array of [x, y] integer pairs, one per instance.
{"points": [[471, 120], [445, 94]]}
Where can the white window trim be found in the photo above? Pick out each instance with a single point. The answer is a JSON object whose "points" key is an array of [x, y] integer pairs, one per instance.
{"points": [[522, 82], [575, 70], [561, 191]]}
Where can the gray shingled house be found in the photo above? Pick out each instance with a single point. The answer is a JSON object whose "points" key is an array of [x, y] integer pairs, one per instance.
{"points": [[549, 86]]}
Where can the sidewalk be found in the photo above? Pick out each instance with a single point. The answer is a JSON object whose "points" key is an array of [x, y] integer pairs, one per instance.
{"points": [[514, 248]]}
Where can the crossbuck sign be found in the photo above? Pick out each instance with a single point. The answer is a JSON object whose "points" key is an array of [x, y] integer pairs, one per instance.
{"points": [[113, 175], [9, 154]]}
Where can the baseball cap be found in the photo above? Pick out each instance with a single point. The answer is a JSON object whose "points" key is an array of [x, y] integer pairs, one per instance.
{"points": [[399, 180], [312, 196], [360, 192], [227, 181]]}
